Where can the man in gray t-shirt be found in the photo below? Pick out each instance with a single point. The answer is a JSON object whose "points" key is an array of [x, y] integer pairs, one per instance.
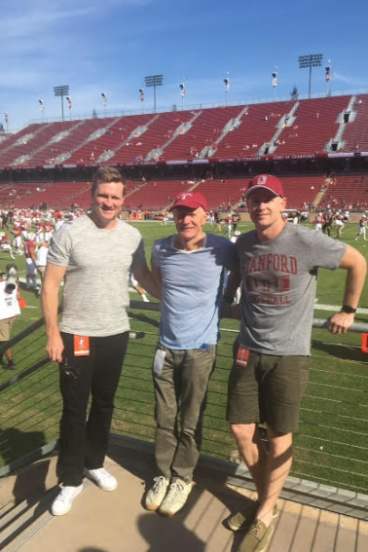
{"points": [[278, 266], [94, 256]]}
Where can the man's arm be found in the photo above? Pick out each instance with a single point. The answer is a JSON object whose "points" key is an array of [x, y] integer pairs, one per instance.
{"points": [[147, 279], [50, 301], [233, 282], [355, 265]]}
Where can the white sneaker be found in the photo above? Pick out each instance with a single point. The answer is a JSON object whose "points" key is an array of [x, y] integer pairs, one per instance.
{"points": [[176, 497], [103, 479], [64, 500], [157, 493]]}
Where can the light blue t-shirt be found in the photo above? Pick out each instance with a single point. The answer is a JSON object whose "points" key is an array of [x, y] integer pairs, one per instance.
{"points": [[191, 292]]}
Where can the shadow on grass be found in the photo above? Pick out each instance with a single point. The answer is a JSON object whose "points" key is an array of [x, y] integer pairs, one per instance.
{"points": [[15, 444], [344, 352]]}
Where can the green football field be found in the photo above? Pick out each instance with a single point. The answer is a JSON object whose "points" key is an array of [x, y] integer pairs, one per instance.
{"points": [[331, 446]]}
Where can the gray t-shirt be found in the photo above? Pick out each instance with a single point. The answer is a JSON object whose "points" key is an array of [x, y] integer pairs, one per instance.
{"points": [[279, 287], [98, 263]]}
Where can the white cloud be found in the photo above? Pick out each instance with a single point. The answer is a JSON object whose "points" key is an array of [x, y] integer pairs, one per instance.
{"points": [[19, 79], [349, 80], [38, 17], [36, 22]]}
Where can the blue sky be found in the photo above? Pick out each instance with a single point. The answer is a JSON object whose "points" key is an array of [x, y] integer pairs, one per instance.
{"points": [[110, 45]]}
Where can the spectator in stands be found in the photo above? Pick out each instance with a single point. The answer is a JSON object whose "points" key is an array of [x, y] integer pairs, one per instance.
{"points": [[278, 267], [190, 266], [94, 255]]}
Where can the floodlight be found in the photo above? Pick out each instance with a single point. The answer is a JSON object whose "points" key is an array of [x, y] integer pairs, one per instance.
{"points": [[307, 62], [61, 91], [153, 81]]}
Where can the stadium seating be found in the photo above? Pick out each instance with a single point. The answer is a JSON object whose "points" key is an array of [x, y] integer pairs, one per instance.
{"points": [[314, 127], [355, 136], [58, 150], [27, 144], [155, 195], [344, 192], [60, 195], [223, 193], [282, 129], [101, 147], [258, 126], [347, 192], [275, 130], [301, 192], [205, 129], [160, 130]]}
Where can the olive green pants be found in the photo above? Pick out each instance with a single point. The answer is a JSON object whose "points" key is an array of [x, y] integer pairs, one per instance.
{"points": [[180, 380]]}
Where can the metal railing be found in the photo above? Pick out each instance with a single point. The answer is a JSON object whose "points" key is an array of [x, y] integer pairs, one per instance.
{"points": [[331, 447]]}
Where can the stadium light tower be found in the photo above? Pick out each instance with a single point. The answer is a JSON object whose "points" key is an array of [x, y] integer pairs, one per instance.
{"points": [[62, 91], [307, 62], [154, 81]]}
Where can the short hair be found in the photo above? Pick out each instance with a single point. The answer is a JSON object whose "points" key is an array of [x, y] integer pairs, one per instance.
{"points": [[106, 174]]}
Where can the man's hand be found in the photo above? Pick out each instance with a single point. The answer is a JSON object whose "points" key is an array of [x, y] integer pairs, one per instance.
{"points": [[55, 347], [147, 280], [50, 300], [340, 322]]}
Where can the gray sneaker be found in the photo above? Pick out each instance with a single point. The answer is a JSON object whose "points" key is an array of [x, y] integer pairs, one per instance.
{"points": [[156, 493], [176, 497]]}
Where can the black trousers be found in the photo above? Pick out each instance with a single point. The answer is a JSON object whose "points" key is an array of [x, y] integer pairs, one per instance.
{"points": [[84, 436]]}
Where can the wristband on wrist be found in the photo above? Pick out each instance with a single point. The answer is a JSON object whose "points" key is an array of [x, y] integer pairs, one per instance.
{"points": [[348, 309]]}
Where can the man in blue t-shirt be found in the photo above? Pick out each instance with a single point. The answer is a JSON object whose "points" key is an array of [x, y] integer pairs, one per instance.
{"points": [[190, 267]]}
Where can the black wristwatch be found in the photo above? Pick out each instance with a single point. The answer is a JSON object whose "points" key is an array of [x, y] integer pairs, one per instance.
{"points": [[348, 309]]}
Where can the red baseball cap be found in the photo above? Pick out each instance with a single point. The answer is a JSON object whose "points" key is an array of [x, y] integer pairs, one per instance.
{"points": [[266, 182], [192, 200]]}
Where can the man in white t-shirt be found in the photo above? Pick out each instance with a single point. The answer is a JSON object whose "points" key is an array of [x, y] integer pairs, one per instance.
{"points": [[41, 258], [9, 310]]}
